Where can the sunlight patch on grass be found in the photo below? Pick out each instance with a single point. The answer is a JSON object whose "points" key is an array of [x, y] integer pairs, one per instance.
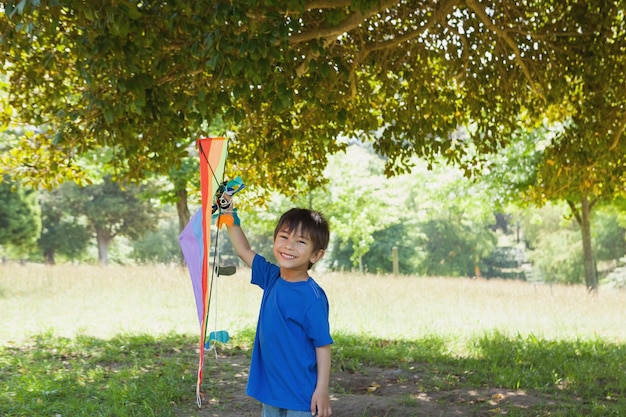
{"points": [[102, 302], [414, 307]]}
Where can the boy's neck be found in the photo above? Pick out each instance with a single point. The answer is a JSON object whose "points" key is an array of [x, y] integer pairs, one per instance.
{"points": [[294, 276]]}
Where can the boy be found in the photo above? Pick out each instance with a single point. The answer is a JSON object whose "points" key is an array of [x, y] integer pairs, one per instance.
{"points": [[290, 367]]}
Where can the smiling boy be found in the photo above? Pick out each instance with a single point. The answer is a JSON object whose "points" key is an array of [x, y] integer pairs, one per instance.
{"points": [[290, 367]]}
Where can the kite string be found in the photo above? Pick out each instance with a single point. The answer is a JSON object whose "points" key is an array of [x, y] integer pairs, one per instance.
{"points": [[216, 260]]}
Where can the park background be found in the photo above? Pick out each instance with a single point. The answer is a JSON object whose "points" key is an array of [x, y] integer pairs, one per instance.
{"points": [[469, 151], [435, 220]]}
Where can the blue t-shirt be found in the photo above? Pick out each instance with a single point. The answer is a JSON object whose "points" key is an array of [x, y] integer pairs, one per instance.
{"points": [[293, 321]]}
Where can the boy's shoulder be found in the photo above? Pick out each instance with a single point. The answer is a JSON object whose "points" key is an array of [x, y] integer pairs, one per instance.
{"points": [[317, 288], [263, 271], [262, 262]]}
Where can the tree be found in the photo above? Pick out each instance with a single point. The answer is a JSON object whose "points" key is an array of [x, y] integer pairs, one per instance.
{"points": [[289, 77], [558, 257], [584, 162], [446, 249], [110, 210], [62, 232], [455, 233], [609, 236], [401, 236], [159, 246], [20, 217], [180, 178]]}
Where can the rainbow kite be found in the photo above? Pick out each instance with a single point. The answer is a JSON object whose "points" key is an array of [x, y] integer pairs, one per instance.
{"points": [[195, 241]]}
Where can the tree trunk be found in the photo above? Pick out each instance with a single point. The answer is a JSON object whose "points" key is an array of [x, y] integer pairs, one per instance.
{"points": [[182, 208], [48, 256], [583, 217], [591, 278], [103, 247]]}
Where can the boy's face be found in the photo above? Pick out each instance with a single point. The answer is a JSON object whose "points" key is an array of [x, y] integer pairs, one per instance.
{"points": [[294, 250]]}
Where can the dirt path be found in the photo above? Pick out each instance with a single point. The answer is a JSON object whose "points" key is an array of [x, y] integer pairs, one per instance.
{"points": [[372, 392]]}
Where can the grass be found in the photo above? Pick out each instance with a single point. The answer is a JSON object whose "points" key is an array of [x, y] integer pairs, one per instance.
{"points": [[103, 302], [120, 341], [85, 376]]}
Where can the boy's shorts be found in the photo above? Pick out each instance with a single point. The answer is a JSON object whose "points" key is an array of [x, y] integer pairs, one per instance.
{"points": [[269, 411]]}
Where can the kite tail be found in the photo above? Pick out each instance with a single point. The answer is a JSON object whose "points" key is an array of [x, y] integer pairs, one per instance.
{"points": [[201, 364], [198, 394]]}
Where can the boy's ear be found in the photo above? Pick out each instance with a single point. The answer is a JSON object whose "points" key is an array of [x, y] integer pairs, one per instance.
{"points": [[317, 255]]}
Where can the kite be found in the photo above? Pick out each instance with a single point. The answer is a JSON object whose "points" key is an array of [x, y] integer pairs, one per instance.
{"points": [[195, 239]]}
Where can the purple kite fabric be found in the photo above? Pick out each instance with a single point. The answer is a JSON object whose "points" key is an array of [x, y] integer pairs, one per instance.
{"points": [[190, 241]]}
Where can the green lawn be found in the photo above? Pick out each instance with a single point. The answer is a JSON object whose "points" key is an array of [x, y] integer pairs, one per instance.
{"points": [[121, 341]]}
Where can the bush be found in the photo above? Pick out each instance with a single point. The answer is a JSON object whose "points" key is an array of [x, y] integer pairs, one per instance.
{"points": [[609, 241], [160, 246], [617, 277], [505, 262], [558, 257], [452, 248]]}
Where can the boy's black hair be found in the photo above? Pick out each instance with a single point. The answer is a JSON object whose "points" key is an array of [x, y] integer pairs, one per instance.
{"points": [[309, 222]]}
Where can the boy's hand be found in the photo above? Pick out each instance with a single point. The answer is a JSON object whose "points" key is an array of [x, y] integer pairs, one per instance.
{"points": [[320, 403], [223, 198], [223, 211], [228, 219]]}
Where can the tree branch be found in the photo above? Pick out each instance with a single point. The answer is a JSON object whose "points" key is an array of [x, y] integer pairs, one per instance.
{"points": [[302, 68], [327, 4], [438, 16], [351, 22], [575, 211], [482, 15], [618, 134], [464, 52], [331, 34]]}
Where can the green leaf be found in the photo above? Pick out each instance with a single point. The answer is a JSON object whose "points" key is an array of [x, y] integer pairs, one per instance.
{"points": [[130, 9]]}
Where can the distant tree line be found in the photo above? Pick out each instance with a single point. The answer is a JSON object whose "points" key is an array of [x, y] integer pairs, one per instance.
{"points": [[63, 222], [440, 224]]}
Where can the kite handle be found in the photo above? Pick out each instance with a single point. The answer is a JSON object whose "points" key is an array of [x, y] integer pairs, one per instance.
{"points": [[227, 188]]}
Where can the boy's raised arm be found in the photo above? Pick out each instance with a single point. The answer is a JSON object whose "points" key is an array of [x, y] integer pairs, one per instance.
{"points": [[240, 244], [229, 218]]}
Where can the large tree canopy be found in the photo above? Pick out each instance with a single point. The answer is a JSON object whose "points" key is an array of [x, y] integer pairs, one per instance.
{"points": [[288, 77], [585, 158], [584, 163]]}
